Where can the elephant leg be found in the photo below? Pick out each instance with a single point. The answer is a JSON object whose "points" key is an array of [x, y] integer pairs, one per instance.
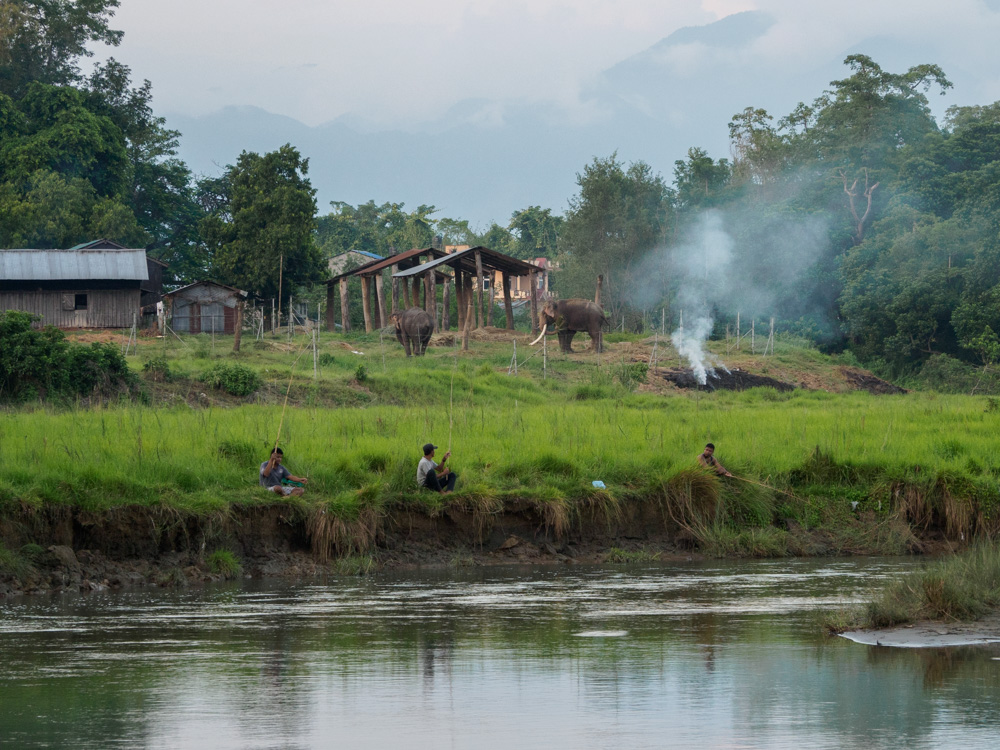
{"points": [[568, 342], [406, 344], [597, 340]]}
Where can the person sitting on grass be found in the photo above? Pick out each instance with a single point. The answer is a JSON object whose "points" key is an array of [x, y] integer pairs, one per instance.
{"points": [[708, 460], [273, 474], [435, 476]]}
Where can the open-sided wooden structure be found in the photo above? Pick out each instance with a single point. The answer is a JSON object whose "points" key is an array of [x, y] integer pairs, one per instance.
{"points": [[471, 267], [371, 275], [423, 269]]}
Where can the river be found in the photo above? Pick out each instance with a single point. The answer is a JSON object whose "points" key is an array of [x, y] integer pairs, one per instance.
{"points": [[700, 654]]}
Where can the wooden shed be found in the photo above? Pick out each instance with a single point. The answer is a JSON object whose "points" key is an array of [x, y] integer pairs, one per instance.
{"points": [[203, 307], [94, 285]]}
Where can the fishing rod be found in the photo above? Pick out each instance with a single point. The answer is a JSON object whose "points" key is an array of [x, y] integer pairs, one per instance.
{"points": [[763, 484]]}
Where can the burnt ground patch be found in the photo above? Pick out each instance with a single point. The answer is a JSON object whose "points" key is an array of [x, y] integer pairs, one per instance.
{"points": [[863, 381], [734, 380]]}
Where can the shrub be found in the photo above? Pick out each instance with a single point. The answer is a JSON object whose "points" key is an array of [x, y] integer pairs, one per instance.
{"points": [[326, 359], [236, 379], [158, 369], [361, 374], [225, 563], [41, 364]]}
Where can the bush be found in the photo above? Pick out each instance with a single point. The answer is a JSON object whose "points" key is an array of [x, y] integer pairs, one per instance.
{"points": [[236, 379], [361, 374], [325, 359], [225, 563], [42, 364], [158, 369]]}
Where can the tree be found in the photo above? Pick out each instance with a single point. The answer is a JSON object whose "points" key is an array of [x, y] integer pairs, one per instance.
{"points": [[619, 215], [699, 181], [266, 225], [534, 232], [43, 40]]}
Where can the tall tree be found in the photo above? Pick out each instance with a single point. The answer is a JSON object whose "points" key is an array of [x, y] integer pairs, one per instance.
{"points": [[535, 233], [619, 215], [267, 225], [43, 40]]}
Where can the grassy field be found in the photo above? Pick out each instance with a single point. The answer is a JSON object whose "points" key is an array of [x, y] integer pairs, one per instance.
{"points": [[810, 459]]}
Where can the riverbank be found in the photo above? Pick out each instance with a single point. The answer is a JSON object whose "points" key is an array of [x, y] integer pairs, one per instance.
{"points": [[818, 472]]}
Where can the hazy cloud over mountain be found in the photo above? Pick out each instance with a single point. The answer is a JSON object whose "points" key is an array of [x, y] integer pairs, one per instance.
{"points": [[483, 108]]}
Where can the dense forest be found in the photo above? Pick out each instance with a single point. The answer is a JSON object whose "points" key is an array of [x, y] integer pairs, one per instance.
{"points": [[857, 221]]}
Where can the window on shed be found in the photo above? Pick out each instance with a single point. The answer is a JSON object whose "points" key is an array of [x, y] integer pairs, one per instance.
{"points": [[80, 302]]}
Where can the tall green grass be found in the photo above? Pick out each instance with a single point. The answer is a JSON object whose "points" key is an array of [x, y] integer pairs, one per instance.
{"points": [[961, 588]]}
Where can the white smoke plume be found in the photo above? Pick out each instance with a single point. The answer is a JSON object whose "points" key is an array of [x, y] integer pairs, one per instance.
{"points": [[704, 265], [755, 261]]}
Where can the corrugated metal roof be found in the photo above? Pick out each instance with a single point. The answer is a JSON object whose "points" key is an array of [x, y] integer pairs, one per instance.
{"points": [[73, 265], [465, 260]]}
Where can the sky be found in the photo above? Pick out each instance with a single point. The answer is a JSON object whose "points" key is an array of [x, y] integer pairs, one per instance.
{"points": [[397, 61]]}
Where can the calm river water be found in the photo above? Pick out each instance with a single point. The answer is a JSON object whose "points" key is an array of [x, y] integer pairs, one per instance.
{"points": [[696, 655]]}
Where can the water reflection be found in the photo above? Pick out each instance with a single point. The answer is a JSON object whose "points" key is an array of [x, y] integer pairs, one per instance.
{"points": [[707, 655]]}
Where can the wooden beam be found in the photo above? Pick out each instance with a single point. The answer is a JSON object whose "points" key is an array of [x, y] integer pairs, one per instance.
{"points": [[508, 308], [383, 319], [366, 302], [345, 307], [430, 294], [493, 295], [597, 294], [331, 308], [469, 316], [533, 291], [446, 305], [479, 289], [395, 289]]}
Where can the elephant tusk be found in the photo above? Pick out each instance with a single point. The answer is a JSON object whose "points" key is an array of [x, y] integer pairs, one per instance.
{"points": [[539, 335]]}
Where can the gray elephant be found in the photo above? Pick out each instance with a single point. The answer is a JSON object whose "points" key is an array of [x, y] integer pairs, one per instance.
{"points": [[414, 325], [569, 316]]}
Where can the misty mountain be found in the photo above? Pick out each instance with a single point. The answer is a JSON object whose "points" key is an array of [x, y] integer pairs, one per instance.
{"points": [[482, 160]]}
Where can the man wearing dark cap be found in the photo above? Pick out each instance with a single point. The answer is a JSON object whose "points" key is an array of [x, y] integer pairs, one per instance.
{"points": [[435, 476]]}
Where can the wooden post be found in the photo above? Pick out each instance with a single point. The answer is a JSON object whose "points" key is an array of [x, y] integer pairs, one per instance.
{"points": [[460, 298], [469, 316], [508, 308], [238, 332], [430, 296], [533, 291], [446, 305], [489, 310], [366, 302], [383, 319], [331, 318], [600, 283], [281, 269], [345, 307], [414, 292], [479, 289], [395, 289]]}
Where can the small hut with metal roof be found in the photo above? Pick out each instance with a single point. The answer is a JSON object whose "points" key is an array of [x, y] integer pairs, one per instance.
{"points": [[93, 285], [204, 307]]}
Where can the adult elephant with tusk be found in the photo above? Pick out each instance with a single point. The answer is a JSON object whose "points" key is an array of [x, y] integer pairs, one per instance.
{"points": [[567, 317], [413, 326]]}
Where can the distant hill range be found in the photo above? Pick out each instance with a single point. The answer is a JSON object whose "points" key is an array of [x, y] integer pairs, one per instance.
{"points": [[482, 160]]}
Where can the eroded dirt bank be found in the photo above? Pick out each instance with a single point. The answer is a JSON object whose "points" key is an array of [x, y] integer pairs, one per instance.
{"points": [[70, 549], [65, 548]]}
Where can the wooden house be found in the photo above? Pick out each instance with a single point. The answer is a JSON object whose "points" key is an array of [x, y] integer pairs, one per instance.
{"points": [[94, 285], [203, 307]]}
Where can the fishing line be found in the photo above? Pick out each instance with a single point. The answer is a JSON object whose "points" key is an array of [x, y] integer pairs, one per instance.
{"points": [[281, 421], [762, 484]]}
